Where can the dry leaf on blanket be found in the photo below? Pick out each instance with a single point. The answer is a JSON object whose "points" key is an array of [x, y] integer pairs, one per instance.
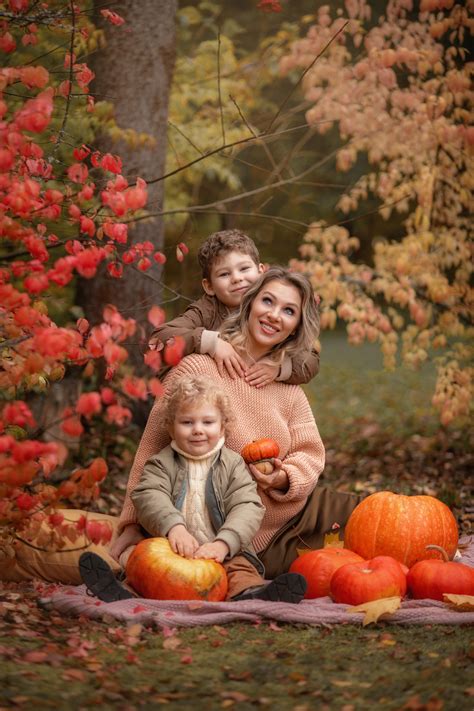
{"points": [[375, 609], [459, 602]]}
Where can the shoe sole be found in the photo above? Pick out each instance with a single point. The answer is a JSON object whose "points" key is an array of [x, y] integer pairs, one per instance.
{"points": [[100, 580]]}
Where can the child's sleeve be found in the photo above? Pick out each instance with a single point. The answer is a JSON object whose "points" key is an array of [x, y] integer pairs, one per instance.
{"points": [[190, 326], [152, 500], [243, 509], [300, 369]]}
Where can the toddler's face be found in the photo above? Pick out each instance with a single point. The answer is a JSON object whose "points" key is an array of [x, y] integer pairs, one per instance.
{"points": [[197, 428], [230, 277]]}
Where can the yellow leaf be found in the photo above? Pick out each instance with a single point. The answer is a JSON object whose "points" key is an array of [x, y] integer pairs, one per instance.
{"points": [[459, 602], [333, 540], [303, 551], [375, 609]]}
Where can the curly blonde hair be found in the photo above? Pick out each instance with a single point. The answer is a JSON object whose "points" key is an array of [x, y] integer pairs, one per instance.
{"points": [[235, 328], [195, 390]]}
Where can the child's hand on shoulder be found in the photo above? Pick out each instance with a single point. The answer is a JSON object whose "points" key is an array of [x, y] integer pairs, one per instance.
{"points": [[261, 374], [182, 542], [227, 359], [217, 550]]}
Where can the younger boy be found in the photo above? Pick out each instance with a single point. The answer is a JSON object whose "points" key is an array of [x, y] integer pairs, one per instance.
{"points": [[230, 264], [201, 496]]}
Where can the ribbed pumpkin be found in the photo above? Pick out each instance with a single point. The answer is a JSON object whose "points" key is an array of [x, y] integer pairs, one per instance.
{"points": [[319, 566], [401, 526], [433, 578], [356, 583], [155, 571], [259, 452]]}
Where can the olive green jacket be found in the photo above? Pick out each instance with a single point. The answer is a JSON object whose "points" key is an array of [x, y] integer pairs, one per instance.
{"points": [[235, 508]]}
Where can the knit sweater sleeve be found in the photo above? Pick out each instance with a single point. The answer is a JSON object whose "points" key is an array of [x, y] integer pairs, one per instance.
{"points": [[304, 460]]}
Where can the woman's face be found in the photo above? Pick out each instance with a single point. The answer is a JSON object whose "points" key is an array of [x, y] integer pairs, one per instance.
{"points": [[274, 315]]}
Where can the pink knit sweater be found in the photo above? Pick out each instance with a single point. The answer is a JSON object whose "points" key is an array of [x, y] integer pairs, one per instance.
{"points": [[278, 410]]}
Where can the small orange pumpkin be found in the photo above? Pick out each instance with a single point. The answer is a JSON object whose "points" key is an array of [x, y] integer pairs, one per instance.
{"points": [[433, 578], [260, 452], [356, 583]]}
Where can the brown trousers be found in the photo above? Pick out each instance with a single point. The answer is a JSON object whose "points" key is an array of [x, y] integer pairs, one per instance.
{"points": [[324, 508]]}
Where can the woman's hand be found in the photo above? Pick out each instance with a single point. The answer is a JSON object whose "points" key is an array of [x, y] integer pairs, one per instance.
{"points": [[261, 374], [227, 359], [182, 542], [217, 550], [130, 535], [278, 479]]}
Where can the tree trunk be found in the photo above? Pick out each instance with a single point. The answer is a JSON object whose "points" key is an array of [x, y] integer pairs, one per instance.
{"points": [[134, 72]]}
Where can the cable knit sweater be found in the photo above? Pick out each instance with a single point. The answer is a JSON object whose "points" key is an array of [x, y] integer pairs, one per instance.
{"points": [[278, 410]]}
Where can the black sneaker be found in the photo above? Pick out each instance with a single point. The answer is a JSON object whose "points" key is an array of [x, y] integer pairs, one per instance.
{"points": [[100, 580], [288, 587]]}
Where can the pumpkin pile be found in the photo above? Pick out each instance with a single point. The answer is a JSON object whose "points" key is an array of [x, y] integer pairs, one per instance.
{"points": [[392, 544], [261, 453]]}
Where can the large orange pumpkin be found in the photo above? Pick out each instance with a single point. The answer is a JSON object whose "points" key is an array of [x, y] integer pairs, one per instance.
{"points": [[155, 571], [401, 526], [260, 452], [319, 566]]}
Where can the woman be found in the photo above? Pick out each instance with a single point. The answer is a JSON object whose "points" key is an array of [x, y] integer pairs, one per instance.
{"points": [[278, 318]]}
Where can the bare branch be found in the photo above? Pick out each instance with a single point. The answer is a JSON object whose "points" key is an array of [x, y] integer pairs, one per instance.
{"points": [[219, 85], [240, 142], [186, 138], [71, 77]]}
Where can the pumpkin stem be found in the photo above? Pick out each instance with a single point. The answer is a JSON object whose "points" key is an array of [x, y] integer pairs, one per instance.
{"points": [[440, 549]]}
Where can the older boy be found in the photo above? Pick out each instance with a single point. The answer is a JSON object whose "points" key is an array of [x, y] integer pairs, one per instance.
{"points": [[230, 264]]}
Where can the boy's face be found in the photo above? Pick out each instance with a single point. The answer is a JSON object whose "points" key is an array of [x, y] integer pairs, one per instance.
{"points": [[230, 277], [197, 428]]}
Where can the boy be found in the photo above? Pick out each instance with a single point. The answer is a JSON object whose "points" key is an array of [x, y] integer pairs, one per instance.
{"points": [[230, 264], [201, 496]]}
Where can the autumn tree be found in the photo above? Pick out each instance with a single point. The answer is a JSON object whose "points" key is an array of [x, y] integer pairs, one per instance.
{"points": [[399, 92], [65, 209], [133, 74]]}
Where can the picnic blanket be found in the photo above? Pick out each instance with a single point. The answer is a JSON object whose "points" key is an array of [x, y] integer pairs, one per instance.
{"points": [[179, 613]]}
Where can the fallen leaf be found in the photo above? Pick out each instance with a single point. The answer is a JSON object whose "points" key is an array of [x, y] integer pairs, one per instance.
{"points": [[459, 602], [186, 659], [235, 696], [303, 551], [138, 608], [375, 609], [333, 540], [74, 675], [171, 643], [35, 657]]}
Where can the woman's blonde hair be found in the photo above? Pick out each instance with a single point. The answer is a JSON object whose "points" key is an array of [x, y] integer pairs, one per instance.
{"points": [[235, 328], [195, 390]]}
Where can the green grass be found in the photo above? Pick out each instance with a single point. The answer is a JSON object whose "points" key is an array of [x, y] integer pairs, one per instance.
{"points": [[353, 386], [248, 666]]}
